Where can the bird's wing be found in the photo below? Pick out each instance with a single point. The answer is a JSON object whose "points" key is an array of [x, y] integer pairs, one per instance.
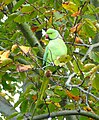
{"points": [[45, 56]]}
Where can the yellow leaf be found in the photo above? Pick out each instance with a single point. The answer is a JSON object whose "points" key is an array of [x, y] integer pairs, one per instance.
{"points": [[72, 7], [94, 69], [88, 67], [57, 104], [1, 52], [25, 49], [48, 102], [5, 61], [5, 55], [87, 108], [1, 6], [14, 47], [51, 19], [2, 94]]}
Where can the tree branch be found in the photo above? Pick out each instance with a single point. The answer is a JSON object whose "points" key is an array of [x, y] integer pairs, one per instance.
{"points": [[73, 74], [28, 34], [82, 60], [6, 108], [67, 113]]}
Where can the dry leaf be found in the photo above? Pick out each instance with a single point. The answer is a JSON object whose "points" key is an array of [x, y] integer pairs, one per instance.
{"points": [[51, 19], [88, 109], [23, 68], [76, 28], [79, 40], [70, 95], [34, 28], [76, 14], [34, 97], [48, 73]]}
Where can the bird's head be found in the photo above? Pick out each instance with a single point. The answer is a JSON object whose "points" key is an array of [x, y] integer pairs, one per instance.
{"points": [[52, 34]]}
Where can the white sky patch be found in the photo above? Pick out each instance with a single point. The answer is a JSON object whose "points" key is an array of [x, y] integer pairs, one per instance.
{"points": [[4, 18], [90, 40], [15, 97], [43, 32], [77, 50]]}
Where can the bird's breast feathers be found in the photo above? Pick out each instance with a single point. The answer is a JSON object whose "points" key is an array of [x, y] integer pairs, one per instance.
{"points": [[56, 48]]}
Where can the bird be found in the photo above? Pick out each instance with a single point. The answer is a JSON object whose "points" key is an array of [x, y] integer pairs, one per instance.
{"points": [[55, 48]]}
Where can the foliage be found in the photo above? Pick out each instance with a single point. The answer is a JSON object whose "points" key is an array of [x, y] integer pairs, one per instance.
{"points": [[75, 84]]}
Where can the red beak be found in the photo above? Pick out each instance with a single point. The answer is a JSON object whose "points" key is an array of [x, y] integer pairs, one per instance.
{"points": [[46, 36]]}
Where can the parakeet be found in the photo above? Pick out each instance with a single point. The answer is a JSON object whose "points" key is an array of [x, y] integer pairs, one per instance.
{"points": [[55, 48]]}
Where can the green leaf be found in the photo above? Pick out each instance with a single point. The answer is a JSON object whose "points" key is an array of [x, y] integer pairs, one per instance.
{"points": [[62, 60], [94, 56], [75, 91], [60, 92], [70, 106], [78, 65], [51, 107], [5, 85], [58, 15], [7, 77], [18, 102], [24, 106], [97, 10], [20, 117], [18, 4], [55, 99], [13, 115], [95, 82], [27, 9], [32, 1], [20, 18], [7, 1], [83, 118], [49, 92], [43, 87], [91, 17], [88, 28], [11, 17], [5, 62]]}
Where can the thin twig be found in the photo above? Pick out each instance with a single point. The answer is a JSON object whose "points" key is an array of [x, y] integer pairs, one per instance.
{"points": [[83, 45], [89, 50]]}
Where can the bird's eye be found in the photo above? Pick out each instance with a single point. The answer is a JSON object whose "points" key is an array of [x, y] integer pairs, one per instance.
{"points": [[49, 33]]}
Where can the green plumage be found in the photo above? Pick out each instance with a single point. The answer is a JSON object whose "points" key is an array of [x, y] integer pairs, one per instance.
{"points": [[55, 48]]}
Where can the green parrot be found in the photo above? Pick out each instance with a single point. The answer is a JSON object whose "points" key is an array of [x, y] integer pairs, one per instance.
{"points": [[55, 48]]}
